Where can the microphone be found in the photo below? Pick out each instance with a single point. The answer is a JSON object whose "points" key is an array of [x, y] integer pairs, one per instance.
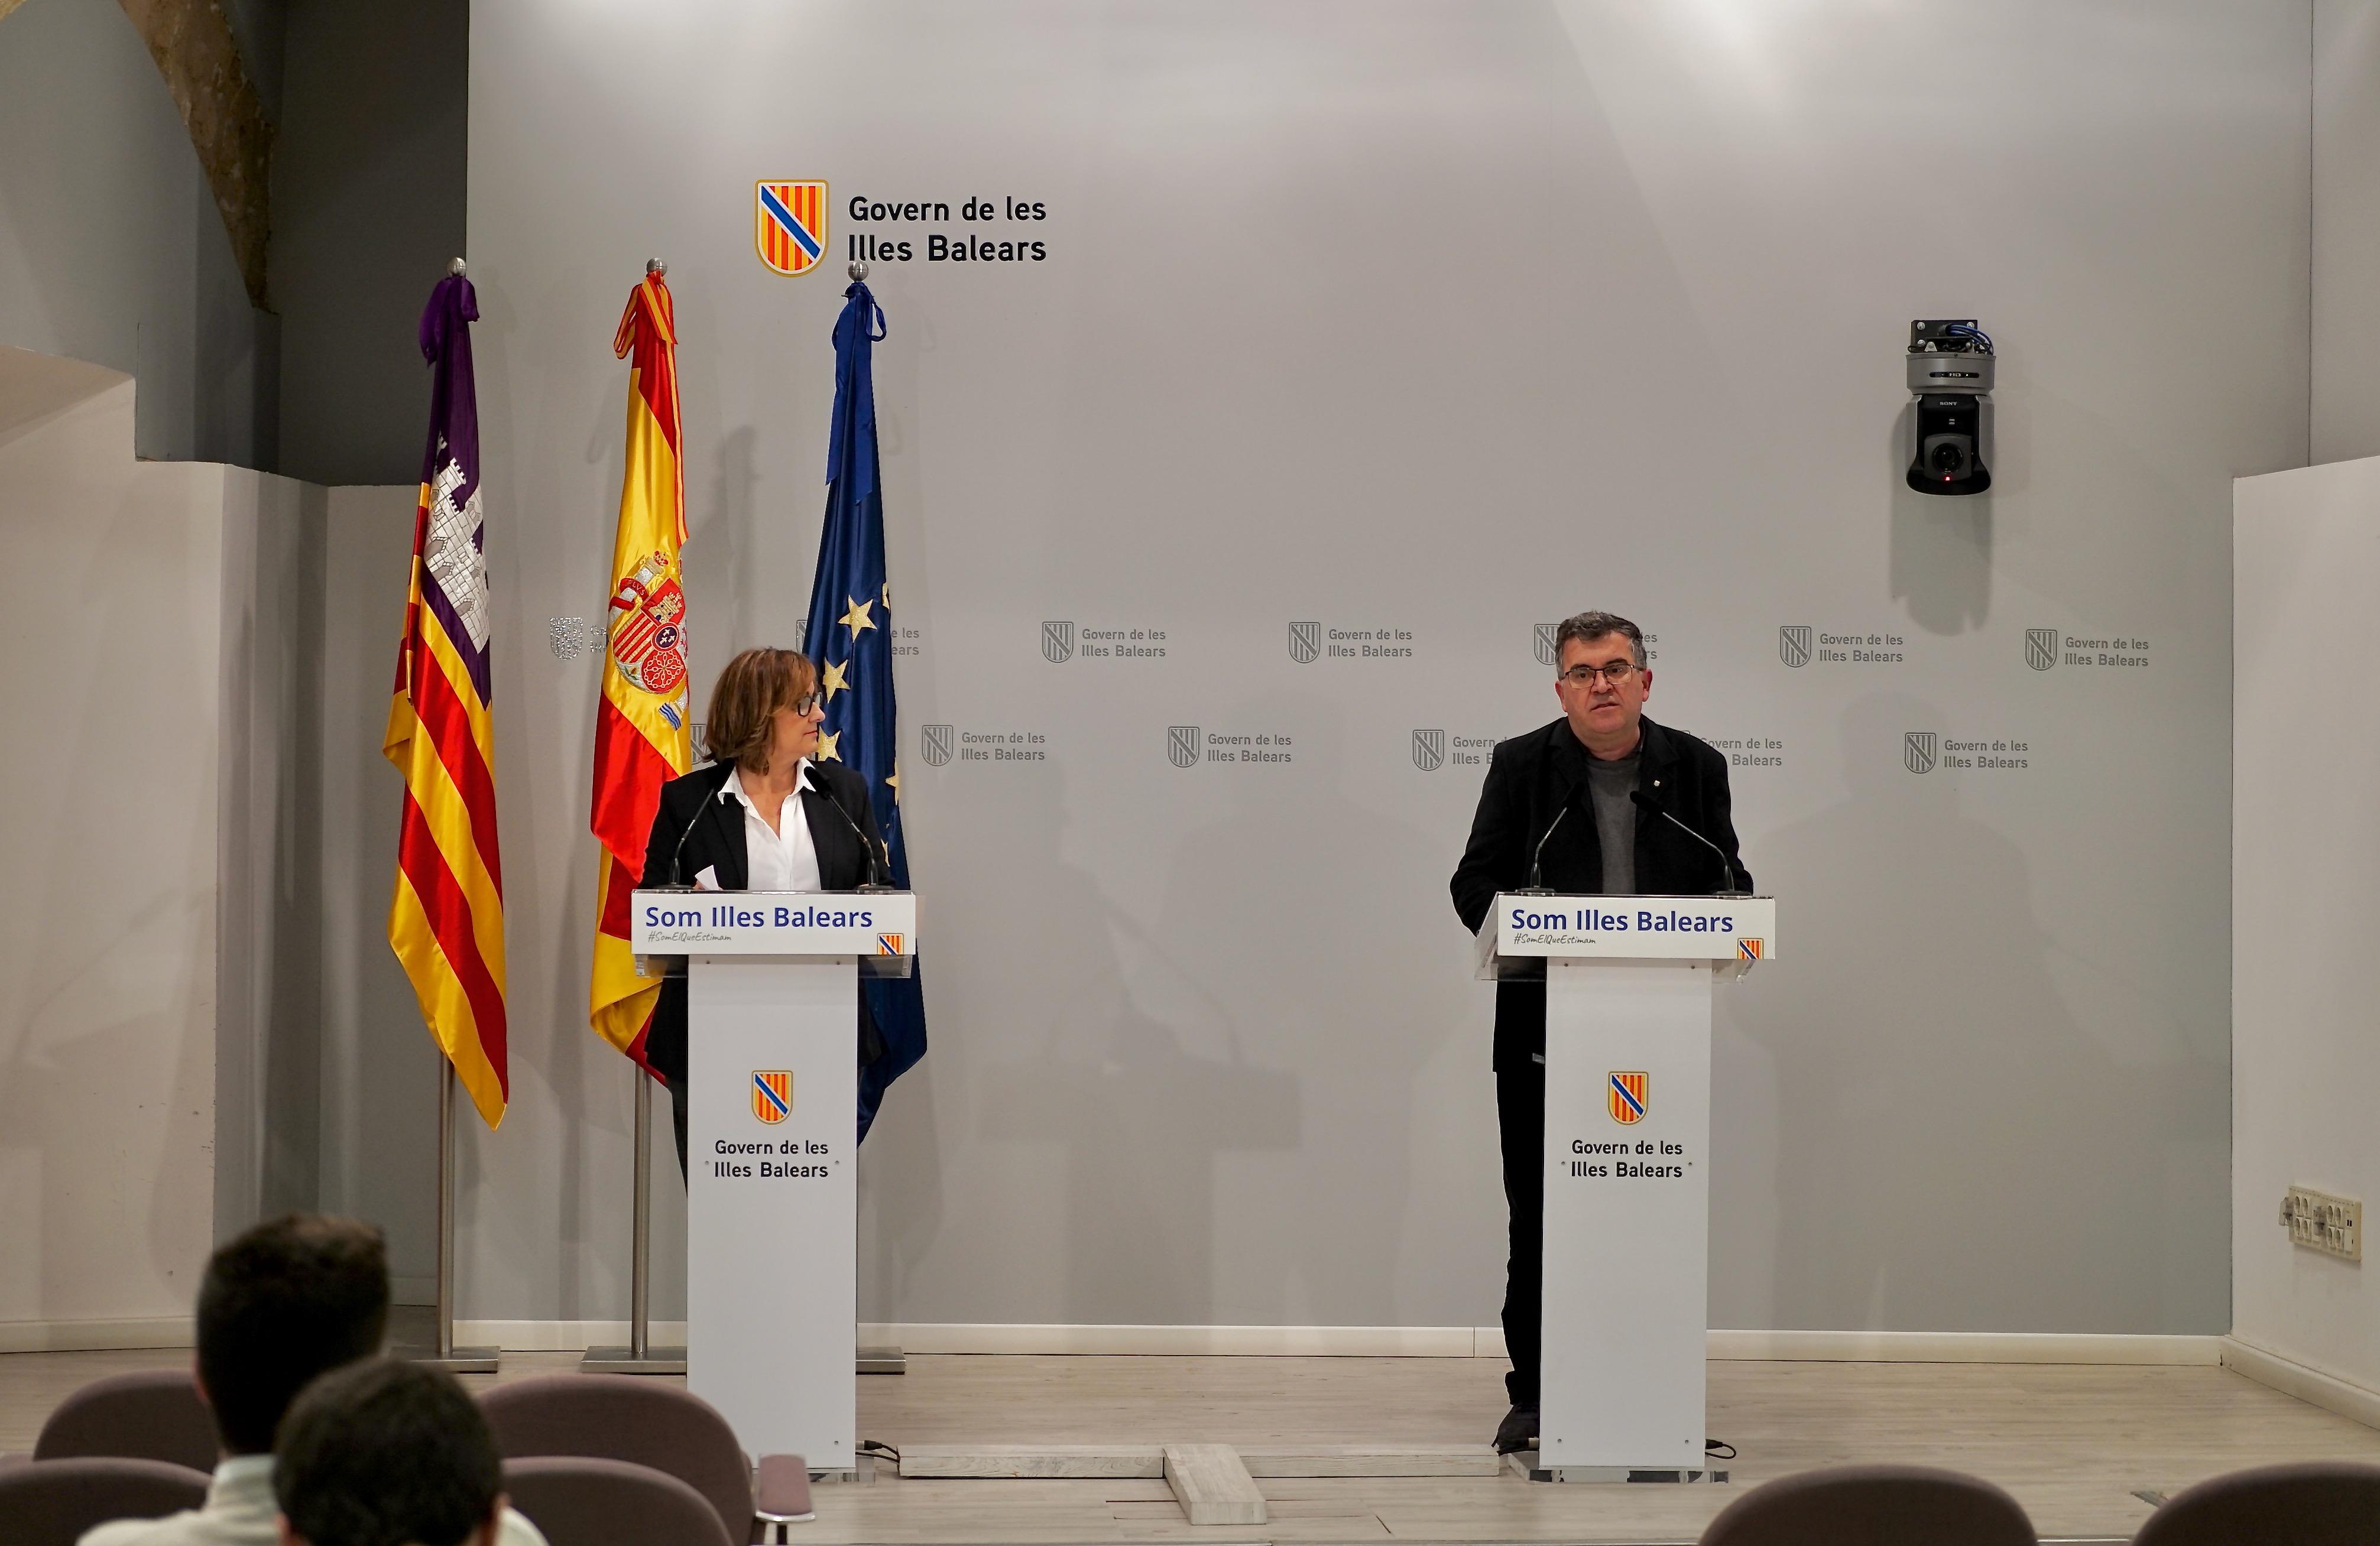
{"points": [[1536, 885], [677, 856], [1725, 869], [875, 867]]}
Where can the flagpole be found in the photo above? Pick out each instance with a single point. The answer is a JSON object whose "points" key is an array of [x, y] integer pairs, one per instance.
{"points": [[443, 1353], [639, 1357]]}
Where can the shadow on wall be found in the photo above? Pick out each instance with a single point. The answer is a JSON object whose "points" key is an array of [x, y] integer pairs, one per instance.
{"points": [[1914, 1014], [1142, 1107]]}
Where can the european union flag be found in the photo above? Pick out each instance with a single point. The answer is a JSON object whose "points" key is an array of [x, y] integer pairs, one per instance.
{"points": [[850, 636]]}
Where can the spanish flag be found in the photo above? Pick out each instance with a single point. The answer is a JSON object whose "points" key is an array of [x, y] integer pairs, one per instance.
{"points": [[447, 923], [642, 734]]}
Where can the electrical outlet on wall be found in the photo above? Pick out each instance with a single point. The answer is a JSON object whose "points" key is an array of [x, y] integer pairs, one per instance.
{"points": [[2321, 1222]]}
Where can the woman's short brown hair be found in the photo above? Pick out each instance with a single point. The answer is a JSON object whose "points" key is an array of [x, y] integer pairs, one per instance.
{"points": [[751, 689]]}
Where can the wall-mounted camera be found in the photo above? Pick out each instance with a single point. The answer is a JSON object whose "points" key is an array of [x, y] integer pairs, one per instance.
{"points": [[1950, 373]]}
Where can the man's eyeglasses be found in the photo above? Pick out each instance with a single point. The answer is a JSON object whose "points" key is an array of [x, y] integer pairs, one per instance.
{"points": [[1615, 673]]}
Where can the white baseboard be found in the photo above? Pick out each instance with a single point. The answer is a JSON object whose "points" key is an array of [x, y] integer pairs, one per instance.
{"points": [[2316, 1386], [1884, 1347], [562, 1336], [1440, 1342], [82, 1337]]}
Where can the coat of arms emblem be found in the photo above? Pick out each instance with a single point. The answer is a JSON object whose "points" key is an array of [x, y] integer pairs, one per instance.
{"points": [[648, 628], [789, 224], [772, 1095], [2041, 647], [1630, 1094]]}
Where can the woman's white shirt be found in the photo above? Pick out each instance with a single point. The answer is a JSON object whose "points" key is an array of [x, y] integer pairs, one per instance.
{"points": [[784, 859]]}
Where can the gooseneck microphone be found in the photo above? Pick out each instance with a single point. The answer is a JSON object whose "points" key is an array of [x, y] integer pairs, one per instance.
{"points": [[677, 855], [1536, 885], [1725, 868], [876, 867]]}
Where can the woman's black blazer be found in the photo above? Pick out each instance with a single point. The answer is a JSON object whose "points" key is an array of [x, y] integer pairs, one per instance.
{"points": [[716, 842]]}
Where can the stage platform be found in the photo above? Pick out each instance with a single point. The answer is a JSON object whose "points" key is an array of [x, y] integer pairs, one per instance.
{"points": [[2078, 1446]]}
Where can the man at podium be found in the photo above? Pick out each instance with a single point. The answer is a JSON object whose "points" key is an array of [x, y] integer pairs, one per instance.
{"points": [[772, 810], [1600, 801]]}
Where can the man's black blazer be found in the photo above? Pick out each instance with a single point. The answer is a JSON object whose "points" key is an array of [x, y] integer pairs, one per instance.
{"points": [[716, 843], [1531, 779]]}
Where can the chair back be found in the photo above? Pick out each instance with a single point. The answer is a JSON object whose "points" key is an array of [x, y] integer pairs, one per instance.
{"points": [[155, 1414], [622, 1416], [51, 1503], [1873, 1506], [2328, 1503], [575, 1500]]}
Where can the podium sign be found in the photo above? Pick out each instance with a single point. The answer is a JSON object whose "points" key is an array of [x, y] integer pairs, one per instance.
{"points": [[1627, 1158], [773, 1024]]}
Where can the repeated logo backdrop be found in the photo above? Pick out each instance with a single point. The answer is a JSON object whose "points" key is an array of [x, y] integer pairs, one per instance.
{"points": [[1218, 589]]}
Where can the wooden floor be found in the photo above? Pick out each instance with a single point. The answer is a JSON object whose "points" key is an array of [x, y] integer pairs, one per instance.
{"points": [[2074, 1444]]}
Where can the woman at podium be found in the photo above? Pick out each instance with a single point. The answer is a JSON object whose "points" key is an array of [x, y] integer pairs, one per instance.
{"points": [[771, 811]]}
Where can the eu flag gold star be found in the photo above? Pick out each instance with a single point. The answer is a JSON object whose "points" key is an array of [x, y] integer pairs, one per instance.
{"points": [[893, 780], [834, 681], [826, 751], [857, 620]]}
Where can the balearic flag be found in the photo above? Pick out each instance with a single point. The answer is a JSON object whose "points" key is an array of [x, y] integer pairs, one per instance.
{"points": [[850, 636], [446, 923], [642, 734]]}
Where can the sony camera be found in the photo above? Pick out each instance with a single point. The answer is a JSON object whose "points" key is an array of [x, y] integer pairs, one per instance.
{"points": [[1950, 374]]}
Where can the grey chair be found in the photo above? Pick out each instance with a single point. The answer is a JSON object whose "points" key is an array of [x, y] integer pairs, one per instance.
{"points": [[575, 1500], [1873, 1506], [620, 1416], [155, 1414], [51, 1503], [2334, 1502]]}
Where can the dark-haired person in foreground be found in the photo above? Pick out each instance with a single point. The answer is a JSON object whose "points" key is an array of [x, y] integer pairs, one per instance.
{"points": [[385, 1453], [1585, 770], [774, 811], [285, 1302]]}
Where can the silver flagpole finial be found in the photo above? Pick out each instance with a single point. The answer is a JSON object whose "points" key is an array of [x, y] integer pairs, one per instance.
{"points": [[455, 268], [656, 268], [859, 270]]}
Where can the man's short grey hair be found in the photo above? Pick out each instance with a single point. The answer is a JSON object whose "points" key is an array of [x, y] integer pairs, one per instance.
{"points": [[1595, 625]]}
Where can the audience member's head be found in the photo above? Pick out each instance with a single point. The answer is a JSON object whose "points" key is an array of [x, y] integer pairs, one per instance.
{"points": [[283, 1303], [387, 1453]]}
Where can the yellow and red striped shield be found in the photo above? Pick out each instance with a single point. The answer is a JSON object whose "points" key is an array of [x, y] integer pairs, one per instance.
{"points": [[789, 225], [772, 1095], [1628, 1097]]}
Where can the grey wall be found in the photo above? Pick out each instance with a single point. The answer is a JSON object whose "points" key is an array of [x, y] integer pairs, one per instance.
{"points": [[2346, 191], [269, 851], [1447, 321], [2304, 1059], [111, 250], [368, 208], [108, 1037]]}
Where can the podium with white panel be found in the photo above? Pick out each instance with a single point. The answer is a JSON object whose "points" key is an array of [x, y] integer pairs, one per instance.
{"points": [[772, 1014], [1627, 1158]]}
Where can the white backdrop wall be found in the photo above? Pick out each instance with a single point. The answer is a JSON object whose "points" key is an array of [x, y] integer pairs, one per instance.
{"points": [[1439, 322]]}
